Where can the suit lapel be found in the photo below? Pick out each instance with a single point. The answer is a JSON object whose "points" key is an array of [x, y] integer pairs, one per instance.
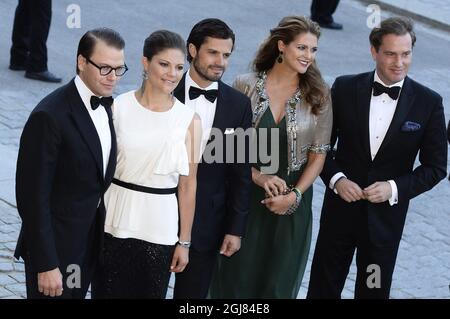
{"points": [[404, 105], [220, 116], [179, 91], [85, 126], [363, 96], [113, 154]]}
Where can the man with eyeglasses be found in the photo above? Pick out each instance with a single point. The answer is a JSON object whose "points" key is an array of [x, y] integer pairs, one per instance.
{"points": [[66, 161]]}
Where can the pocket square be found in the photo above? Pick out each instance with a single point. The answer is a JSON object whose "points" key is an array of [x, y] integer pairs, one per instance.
{"points": [[229, 131], [410, 126]]}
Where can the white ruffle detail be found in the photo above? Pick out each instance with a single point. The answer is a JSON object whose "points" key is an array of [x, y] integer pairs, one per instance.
{"points": [[173, 159]]}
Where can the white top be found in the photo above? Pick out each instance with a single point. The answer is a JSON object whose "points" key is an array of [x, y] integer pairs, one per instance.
{"points": [[381, 112], [205, 109], [151, 151], [99, 118]]}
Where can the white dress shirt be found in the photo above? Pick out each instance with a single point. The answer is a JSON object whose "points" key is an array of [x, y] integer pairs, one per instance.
{"points": [[99, 118], [204, 108], [382, 109]]}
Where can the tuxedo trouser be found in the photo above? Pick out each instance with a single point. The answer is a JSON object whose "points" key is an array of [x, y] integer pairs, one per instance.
{"points": [[322, 10], [194, 281], [30, 32], [333, 256]]}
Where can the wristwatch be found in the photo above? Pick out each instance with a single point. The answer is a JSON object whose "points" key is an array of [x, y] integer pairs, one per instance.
{"points": [[185, 244]]}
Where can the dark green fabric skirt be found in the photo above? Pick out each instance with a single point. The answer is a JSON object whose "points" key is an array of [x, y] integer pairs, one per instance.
{"points": [[273, 255], [274, 252]]}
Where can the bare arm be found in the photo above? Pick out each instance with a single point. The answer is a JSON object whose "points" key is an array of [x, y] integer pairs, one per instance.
{"points": [[312, 170], [187, 188], [279, 204]]}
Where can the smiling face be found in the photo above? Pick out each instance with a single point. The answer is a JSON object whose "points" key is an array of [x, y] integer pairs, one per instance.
{"points": [[103, 55], [210, 61], [393, 58], [300, 53], [165, 69]]}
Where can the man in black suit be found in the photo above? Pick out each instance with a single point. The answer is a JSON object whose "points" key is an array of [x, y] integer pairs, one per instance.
{"points": [[223, 187], [29, 37], [322, 12], [382, 120], [66, 161]]}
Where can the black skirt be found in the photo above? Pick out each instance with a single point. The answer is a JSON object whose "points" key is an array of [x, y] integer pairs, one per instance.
{"points": [[132, 268]]}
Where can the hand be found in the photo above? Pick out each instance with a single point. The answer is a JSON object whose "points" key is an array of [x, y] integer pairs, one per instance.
{"points": [[280, 204], [230, 245], [348, 190], [50, 283], [180, 259], [272, 184], [378, 192]]}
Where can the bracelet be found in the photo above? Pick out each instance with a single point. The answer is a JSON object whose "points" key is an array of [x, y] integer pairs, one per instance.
{"points": [[185, 244], [298, 199], [298, 194]]}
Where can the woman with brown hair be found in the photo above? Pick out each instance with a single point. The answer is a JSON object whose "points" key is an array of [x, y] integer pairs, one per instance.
{"points": [[151, 202], [289, 96]]}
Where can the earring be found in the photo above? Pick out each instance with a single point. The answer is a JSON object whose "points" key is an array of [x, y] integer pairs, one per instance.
{"points": [[145, 74], [280, 57]]}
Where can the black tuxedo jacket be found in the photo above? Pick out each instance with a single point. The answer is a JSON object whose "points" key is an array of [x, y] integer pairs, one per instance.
{"points": [[395, 159], [448, 137], [223, 189], [60, 183]]}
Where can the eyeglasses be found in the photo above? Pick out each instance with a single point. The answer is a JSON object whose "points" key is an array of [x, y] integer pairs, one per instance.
{"points": [[105, 70]]}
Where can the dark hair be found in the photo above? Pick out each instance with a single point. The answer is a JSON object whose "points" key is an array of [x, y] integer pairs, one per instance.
{"points": [[213, 28], [89, 39], [161, 40], [395, 25], [311, 83]]}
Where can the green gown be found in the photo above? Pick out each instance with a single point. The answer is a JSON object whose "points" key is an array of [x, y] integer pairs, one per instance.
{"points": [[274, 251]]}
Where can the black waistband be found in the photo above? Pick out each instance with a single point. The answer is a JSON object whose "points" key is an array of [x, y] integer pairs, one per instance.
{"points": [[144, 189]]}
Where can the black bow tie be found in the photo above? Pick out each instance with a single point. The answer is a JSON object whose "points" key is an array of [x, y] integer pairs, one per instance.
{"points": [[105, 101], [210, 95], [379, 89]]}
